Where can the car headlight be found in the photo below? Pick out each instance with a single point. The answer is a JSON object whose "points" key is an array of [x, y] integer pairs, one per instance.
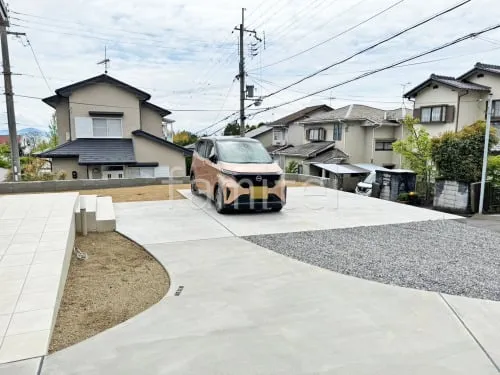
{"points": [[227, 172]]}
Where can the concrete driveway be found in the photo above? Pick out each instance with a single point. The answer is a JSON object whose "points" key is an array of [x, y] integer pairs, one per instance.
{"points": [[244, 309]]}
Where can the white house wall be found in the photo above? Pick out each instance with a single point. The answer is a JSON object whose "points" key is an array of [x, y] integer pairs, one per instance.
{"points": [[106, 98]]}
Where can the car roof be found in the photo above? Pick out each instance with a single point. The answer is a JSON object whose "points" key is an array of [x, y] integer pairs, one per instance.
{"points": [[228, 138]]}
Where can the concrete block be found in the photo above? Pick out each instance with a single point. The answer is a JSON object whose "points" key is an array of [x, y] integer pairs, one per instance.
{"points": [[105, 215]]}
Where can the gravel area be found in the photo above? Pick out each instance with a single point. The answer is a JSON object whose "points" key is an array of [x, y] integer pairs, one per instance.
{"points": [[442, 256]]}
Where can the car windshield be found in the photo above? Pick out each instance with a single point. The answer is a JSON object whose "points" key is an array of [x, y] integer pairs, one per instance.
{"points": [[243, 152], [370, 179]]}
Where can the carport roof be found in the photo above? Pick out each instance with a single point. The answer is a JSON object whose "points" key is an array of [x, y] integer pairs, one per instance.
{"points": [[341, 168]]}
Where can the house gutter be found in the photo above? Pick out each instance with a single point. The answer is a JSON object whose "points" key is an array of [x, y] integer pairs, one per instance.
{"points": [[458, 109]]}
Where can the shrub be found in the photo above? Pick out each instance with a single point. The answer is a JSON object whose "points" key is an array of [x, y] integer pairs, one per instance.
{"points": [[62, 175], [292, 167], [459, 156], [494, 170], [403, 197]]}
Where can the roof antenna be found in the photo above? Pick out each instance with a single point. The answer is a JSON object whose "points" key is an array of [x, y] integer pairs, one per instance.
{"points": [[106, 61]]}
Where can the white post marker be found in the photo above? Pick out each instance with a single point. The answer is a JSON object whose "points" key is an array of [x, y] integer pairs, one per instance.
{"points": [[485, 152]]}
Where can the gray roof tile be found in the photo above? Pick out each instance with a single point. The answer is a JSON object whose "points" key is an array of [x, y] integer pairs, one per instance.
{"points": [[95, 151], [334, 156], [359, 112], [307, 150], [300, 114]]}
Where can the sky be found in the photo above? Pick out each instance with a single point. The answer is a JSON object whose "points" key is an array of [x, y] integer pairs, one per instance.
{"points": [[185, 53]]}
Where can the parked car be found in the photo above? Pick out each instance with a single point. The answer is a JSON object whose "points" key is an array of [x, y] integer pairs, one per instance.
{"points": [[365, 187], [237, 173]]}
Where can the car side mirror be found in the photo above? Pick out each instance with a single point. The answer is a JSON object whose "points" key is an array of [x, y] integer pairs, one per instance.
{"points": [[213, 159]]}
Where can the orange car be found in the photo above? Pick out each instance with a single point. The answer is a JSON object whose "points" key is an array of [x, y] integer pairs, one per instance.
{"points": [[237, 173]]}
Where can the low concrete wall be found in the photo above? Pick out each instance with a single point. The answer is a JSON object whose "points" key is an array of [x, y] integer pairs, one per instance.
{"points": [[70, 185], [452, 196]]}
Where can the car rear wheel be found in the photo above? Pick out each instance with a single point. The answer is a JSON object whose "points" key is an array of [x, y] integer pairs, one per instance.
{"points": [[220, 207], [194, 188]]}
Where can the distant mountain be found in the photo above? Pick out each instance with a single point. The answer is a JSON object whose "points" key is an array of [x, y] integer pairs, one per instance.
{"points": [[25, 131]]}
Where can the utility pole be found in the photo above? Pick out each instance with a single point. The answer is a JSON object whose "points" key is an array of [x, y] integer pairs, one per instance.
{"points": [[241, 74], [485, 151], [9, 100]]}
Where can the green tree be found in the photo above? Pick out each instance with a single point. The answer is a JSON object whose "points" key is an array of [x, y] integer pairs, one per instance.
{"points": [[459, 156], [494, 170], [232, 129], [292, 167], [53, 137], [184, 138], [416, 150], [4, 156]]}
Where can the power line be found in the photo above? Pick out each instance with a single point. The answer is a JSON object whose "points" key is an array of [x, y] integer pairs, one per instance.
{"points": [[118, 106], [372, 46], [38, 64], [336, 35], [443, 46]]}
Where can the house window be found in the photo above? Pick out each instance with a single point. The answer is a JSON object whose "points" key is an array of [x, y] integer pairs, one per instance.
{"points": [[496, 109], [383, 145], [278, 135], [337, 132], [433, 114], [316, 134], [107, 127]]}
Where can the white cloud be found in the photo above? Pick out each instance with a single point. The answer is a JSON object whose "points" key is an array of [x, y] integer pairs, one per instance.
{"points": [[184, 54]]}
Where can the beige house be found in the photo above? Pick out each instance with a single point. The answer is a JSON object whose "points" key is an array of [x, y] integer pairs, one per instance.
{"points": [[448, 104], [263, 133], [286, 130], [355, 134], [108, 129]]}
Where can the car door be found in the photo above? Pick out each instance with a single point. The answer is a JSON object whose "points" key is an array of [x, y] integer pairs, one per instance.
{"points": [[210, 167], [199, 165]]}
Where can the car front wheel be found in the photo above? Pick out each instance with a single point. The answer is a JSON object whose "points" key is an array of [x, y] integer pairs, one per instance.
{"points": [[194, 188], [220, 207]]}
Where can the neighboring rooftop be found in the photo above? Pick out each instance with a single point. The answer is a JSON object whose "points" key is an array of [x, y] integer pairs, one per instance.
{"points": [[332, 156], [95, 151], [481, 67], [258, 131], [66, 91], [452, 82], [299, 115], [307, 150], [359, 112]]}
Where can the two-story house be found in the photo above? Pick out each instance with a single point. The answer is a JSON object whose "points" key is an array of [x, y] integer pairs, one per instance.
{"points": [[445, 103], [109, 129], [351, 134], [285, 131]]}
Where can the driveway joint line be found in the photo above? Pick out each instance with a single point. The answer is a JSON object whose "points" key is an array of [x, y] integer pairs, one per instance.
{"points": [[39, 371], [470, 333], [213, 217]]}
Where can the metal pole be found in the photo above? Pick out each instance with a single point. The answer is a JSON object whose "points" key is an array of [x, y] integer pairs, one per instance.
{"points": [[242, 74], [485, 152], [9, 101]]}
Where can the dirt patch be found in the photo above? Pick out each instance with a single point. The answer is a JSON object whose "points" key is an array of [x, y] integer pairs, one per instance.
{"points": [[117, 281], [140, 193]]}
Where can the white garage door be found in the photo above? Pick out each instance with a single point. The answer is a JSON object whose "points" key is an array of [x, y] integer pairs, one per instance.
{"points": [[162, 171]]}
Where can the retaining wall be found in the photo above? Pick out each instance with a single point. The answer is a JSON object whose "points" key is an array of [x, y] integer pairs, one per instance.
{"points": [[452, 196], [71, 185]]}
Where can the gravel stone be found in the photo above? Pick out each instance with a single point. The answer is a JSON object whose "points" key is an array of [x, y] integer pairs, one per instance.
{"points": [[442, 256]]}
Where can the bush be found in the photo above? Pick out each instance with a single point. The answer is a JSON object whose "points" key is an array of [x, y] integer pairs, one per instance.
{"points": [[403, 197], [459, 156], [494, 170], [62, 175], [292, 167]]}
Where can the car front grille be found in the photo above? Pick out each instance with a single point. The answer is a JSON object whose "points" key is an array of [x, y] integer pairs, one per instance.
{"points": [[247, 180]]}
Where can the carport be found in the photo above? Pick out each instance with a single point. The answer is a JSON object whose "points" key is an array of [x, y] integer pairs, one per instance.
{"points": [[347, 176]]}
